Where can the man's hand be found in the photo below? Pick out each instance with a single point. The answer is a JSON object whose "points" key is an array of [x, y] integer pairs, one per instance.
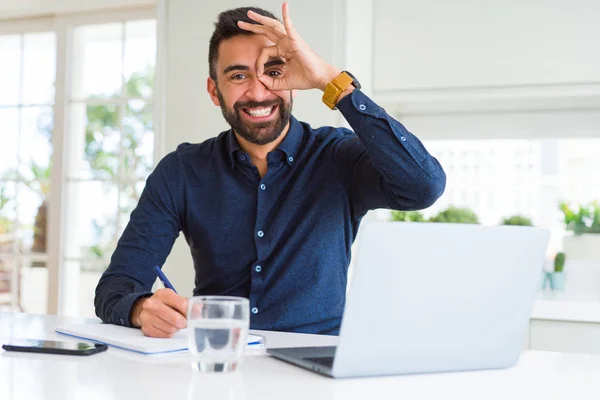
{"points": [[160, 315], [304, 69]]}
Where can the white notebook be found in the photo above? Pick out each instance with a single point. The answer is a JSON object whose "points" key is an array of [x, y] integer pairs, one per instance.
{"points": [[133, 339]]}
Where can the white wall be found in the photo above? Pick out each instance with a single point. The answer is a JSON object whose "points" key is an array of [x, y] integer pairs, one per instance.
{"points": [[489, 68], [432, 44]]}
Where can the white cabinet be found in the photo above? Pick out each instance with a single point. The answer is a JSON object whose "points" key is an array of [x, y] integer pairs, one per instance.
{"points": [[564, 336], [432, 44]]}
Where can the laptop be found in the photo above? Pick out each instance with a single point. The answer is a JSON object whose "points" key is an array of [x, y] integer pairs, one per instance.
{"points": [[433, 297]]}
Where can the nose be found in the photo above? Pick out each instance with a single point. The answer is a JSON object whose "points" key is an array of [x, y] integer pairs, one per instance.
{"points": [[257, 91]]}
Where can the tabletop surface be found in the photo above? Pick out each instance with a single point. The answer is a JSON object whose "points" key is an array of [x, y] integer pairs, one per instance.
{"points": [[117, 374]]}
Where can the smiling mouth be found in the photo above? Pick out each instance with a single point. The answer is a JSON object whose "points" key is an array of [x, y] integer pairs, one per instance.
{"points": [[260, 112]]}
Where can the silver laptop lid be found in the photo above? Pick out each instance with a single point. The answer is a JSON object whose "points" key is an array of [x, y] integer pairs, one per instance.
{"points": [[429, 297]]}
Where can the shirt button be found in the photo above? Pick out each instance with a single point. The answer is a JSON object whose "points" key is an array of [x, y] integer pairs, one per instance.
{"points": [[362, 107], [291, 159], [262, 186], [403, 138], [258, 268], [260, 233], [254, 310], [243, 157]]}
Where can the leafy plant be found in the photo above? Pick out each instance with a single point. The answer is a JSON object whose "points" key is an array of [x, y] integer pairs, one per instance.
{"points": [[581, 219], [559, 262], [517, 220], [407, 216], [456, 215]]}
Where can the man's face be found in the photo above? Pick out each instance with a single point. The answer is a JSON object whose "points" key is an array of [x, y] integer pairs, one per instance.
{"points": [[253, 111]]}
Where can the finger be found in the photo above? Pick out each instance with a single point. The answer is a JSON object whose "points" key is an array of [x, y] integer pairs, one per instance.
{"points": [[154, 326], [260, 30], [270, 22], [272, 83], [173, 300], [155, 308], [287, 21], [265, 54], [153, 331], [171, 317]]}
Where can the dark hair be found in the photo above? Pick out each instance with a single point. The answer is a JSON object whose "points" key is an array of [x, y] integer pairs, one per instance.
{"points": [[226, 27]]}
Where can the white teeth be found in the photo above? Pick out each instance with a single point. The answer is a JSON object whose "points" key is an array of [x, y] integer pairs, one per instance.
{"points": [[259, 112]]}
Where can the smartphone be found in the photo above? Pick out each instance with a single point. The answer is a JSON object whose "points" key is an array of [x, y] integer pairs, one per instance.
{"points": [[54, 347]]}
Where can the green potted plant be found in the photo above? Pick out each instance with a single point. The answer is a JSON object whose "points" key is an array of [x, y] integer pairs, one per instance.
{"points": [[517, 220], [557, 279], [456, 215], [407, 216], [582, 223]]}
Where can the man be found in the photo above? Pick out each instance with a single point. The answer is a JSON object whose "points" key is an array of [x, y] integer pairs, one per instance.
{"points": [[271, 207]]}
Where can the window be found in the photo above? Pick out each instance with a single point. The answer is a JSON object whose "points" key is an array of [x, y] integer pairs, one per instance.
{"points": [[105, 63], [111, 143], [498, 178], [26, 119]]}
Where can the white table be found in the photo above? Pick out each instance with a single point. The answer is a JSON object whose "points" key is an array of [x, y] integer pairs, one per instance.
{"points": [[117, 374]]}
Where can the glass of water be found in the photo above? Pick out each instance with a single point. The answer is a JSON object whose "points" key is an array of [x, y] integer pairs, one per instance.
{"points": [[218, 332]]}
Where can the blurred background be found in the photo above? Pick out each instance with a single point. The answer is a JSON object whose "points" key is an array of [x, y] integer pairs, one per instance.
{"points": [[506, 94]]}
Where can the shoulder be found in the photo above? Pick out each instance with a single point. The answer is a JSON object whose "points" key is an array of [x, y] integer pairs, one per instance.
{"points": [[188, 155]]}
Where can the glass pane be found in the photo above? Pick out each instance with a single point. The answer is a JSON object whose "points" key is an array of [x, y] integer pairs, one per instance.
{"points": [[130, 196], [580, 174], [39, 68], [36, 142], [138, 141], [140, 57], [8, 212], [91, 224], [6, 266], [493, 177], [10, 69], [9, 139], [95, 142], [97, 61], [32, 211]]}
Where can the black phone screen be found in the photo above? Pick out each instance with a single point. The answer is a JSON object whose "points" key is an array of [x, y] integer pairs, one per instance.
{"points": [[54, 347]]}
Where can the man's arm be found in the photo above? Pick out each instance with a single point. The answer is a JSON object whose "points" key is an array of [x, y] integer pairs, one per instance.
{"points": [[387, 166], [384, 165], [147, 240]]}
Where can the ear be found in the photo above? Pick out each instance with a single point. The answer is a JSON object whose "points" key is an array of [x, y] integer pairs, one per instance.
{"points": [[211, 88]]}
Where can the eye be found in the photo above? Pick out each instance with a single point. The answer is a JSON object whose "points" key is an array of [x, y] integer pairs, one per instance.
{"points": [[274, 73], [238, 77]]}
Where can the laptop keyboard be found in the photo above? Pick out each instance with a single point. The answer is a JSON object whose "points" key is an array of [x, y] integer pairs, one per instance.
{"points": [[324, 361]]}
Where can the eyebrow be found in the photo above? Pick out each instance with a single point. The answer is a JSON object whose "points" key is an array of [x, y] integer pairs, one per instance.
{"points": [[236, 67], [276, 61], [241, 67]]}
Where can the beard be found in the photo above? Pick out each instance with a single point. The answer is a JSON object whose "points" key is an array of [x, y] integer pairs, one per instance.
{"points": [[257, 132]]}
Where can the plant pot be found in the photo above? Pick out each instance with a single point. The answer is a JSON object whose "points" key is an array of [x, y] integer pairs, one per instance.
{"points": [[582, 247], [545, 280], [557, 281]]}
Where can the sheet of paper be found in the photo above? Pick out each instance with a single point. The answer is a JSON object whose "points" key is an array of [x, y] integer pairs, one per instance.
{"points": [[133, 339]]}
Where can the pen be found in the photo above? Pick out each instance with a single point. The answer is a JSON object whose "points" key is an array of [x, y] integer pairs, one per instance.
{"points": [[163, 279]]}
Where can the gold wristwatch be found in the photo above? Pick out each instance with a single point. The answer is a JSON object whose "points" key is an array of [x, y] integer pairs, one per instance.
{"points": [[337, 86]]}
